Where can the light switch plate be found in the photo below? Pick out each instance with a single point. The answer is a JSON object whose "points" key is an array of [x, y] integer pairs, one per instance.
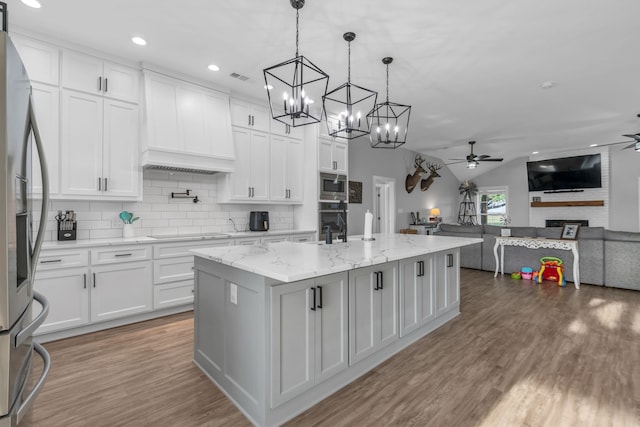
{"points": [[233, 293]]}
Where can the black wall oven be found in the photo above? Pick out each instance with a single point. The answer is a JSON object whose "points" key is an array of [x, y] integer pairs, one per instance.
{"points": [[328, 214]]}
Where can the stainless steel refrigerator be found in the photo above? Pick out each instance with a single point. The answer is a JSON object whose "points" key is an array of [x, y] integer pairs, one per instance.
{"points": [[19, 242]]}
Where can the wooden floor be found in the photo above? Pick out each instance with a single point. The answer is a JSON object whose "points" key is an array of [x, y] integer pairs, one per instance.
{"points": [[519, 355]]}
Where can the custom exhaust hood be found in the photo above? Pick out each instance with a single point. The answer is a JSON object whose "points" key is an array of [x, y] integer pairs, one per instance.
{"points": [[187, 126]]}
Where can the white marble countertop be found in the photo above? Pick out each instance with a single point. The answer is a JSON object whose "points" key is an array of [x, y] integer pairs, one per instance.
{"points": [[291, 261], [115, 241]]}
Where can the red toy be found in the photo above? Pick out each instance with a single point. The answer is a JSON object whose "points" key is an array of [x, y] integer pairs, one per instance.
{"points": [[551, 269]]}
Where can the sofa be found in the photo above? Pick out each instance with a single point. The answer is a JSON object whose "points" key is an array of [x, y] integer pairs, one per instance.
{"points": [[606, 257]]}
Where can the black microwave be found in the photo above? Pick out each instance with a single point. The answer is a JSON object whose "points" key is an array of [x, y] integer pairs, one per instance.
{"points": [[333, 187]]}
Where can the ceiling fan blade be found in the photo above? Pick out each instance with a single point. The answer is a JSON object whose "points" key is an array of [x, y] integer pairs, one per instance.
{"points": [[462, 160], [490, 160], [453, 163], [634, 136], [483, 156], [632, 145]]}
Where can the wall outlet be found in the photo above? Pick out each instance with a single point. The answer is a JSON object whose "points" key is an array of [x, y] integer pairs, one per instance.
{"points": [[233, 293]]}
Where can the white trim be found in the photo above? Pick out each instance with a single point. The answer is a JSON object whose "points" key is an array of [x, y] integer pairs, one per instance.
{"points": [[390, 186]]}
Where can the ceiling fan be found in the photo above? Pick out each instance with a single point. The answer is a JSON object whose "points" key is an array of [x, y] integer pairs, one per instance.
{"points": [[635, 144], [474, 159]]}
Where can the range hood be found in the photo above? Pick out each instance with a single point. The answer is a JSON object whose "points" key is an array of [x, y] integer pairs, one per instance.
{"points": [[187, 126]]}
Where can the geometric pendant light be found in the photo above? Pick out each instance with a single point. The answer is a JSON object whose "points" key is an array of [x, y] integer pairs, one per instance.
{"points": [[346, 107], [389, 120], [295, 87]]}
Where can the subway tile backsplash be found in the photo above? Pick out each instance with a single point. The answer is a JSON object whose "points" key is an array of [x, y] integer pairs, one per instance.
{"points": [[160, 214]]}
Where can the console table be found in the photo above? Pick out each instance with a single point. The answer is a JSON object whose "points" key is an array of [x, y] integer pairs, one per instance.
{"points": [[536, 243]]}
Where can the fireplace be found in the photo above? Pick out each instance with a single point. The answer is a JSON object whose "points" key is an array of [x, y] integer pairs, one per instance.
{"points": [[561, 222]]}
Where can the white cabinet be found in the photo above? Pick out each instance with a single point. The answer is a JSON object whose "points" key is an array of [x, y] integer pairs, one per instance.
{"points": [[333, 156], [308, 334], [46, 102], [99, 156], [93, 75], [373, 313], [416, 293], [249, 115], [68, 295], [311, 237], [40, 59], [250, 181], [187, 125], [287, 158], [447, 281], [279, 128], [120, 290]]}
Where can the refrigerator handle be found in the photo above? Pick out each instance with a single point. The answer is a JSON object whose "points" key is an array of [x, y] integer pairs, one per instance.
{"points": [[28, 401], [44, 171], [24, 334]]}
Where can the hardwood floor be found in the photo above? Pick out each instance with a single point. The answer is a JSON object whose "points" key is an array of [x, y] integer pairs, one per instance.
{"points": [[520, 354]]}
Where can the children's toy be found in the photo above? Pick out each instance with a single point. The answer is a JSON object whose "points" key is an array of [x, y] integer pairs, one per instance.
{"points": [[551, 268], [516, 275], [527, 273]]}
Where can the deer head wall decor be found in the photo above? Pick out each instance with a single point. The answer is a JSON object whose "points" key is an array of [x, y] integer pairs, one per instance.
{"points": [[412, 180], [433, 174]]}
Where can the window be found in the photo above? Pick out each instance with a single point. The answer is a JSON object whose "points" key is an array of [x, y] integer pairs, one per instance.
{"points": [[492, 205]]}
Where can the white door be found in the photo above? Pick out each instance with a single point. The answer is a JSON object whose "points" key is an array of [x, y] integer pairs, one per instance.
{"points": [[121, 167], [68, 293], [82, 72], [279, 168], [46, 100], [325, 155], [81, 147], [240, 180], [364, 302], [260, 165], [384, 202], [240, 113], [120, 290], [388, 314], [121, 82], [341, 157], [260, 117], [295, 173], [332, 341]]}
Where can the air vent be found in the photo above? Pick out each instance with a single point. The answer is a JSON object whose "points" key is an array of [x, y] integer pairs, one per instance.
{"points": [[239, 77], [177, 169]]}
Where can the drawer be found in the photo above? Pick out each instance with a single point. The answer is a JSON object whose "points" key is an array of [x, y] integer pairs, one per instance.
{"points": [[274, 239], [172, 294], [170, 250], [49, 260], [172, 270], [247, 241], [303, 238], [116, 254]]}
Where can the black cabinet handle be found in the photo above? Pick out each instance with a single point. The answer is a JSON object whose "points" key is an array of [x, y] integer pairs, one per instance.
{"points": [[99, 184], [449, 260], [99, 84], [378, 280], [419, 273], [106, 85], [121, 255], [249, 118], [84, 276], [320, 296], [105, 184], [94, 280], [381, 280], [313, 304], [49, 261]]}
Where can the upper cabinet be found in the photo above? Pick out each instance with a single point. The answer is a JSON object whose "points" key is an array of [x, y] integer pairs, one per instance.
{"points": [[281, 129], [41, 60], [187, 125], [287, 158], [333, 156], [95, 76], [250, 115]]}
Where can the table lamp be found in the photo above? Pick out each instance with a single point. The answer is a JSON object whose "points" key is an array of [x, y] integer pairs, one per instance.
{"points": [[434, 215]]}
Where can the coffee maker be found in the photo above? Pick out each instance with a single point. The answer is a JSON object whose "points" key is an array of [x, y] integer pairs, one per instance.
{"points": [[259, 221]]}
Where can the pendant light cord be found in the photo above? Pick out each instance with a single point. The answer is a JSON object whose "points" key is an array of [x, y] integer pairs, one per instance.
{"points": [[297, 30], [349, 63], [387, 83]]}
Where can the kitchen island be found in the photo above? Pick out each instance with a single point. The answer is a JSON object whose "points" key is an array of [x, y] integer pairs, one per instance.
{"points": [[279, 327]]}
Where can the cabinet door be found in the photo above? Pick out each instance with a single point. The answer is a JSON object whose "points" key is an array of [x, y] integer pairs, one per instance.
{"points": [[82, 72], [172, 294], [240, 180], [121, 82], [295, 176], [120, 290], [388, 312], [217, 124], [260, 166], [364, 303], [292, 340], [81, 147], [410, 295], [46, 100], [68, 295], [162, 113], [325, 155], [240, 113], [427, 310], [331, 331], [340, 157], [279, 171], [40, 60], [453, 278], [121, 171], [260, 117]]}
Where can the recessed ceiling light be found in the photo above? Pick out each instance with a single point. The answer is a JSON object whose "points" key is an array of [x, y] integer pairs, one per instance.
{"points": [[139, 41], [593, 145], [268, 87], [547, 85], [32, 3], [535, 152], [214, 67]]}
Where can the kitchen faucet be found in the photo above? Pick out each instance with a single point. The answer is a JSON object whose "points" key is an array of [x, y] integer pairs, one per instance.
{"points": [[342, 220]]}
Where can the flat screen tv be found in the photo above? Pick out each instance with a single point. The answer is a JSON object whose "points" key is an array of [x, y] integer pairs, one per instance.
{"points": [[566, 173]]}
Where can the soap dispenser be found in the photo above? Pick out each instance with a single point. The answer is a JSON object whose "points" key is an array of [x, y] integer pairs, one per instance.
{"points": [[328, 236]]}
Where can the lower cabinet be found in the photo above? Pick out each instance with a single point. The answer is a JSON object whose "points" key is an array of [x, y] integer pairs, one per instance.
{"points": [[308, 334], [416, 293], [120, 290], [373, 309], [68, 293], [447, 281]]}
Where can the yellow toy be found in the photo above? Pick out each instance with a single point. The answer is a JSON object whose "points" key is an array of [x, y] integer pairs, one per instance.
{"points": [[551, 268]]}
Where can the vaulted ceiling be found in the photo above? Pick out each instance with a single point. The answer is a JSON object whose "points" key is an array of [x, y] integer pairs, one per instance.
{"points": [[472, 70]]}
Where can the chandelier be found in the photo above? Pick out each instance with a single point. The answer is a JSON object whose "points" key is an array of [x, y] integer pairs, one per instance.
{"points": [[295, 87], [389, 120], [346, 107]]}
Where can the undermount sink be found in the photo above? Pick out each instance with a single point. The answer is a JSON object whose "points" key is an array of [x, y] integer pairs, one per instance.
{"points": [[188, 235]]}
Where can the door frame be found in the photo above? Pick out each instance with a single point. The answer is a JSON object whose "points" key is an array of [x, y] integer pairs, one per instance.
{"points": [[389, 184]]}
